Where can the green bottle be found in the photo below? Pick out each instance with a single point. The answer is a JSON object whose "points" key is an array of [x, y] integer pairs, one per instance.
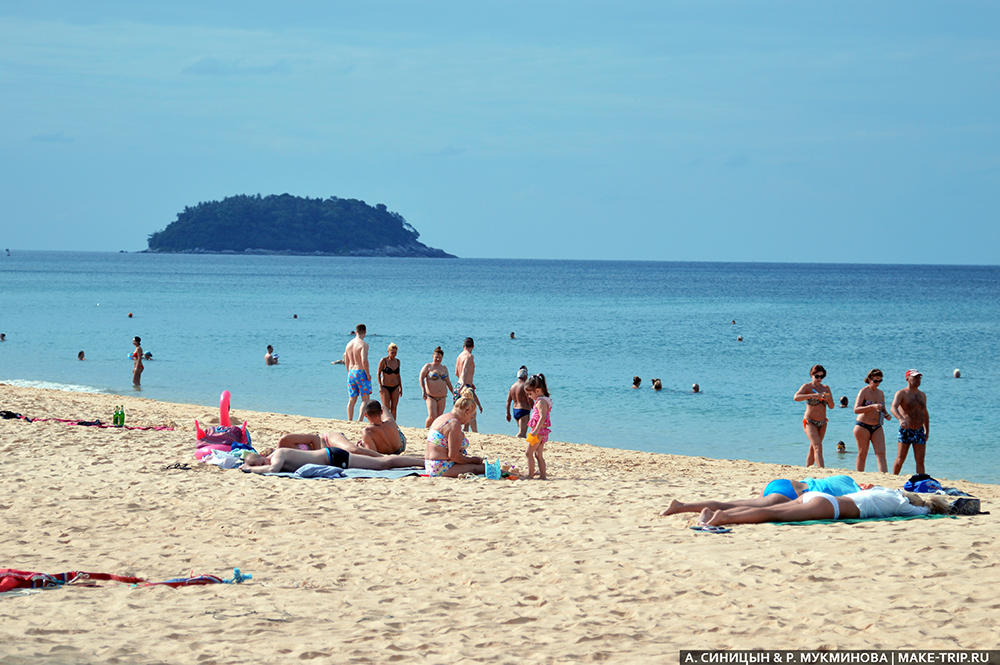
{"points": [[121, 417]]}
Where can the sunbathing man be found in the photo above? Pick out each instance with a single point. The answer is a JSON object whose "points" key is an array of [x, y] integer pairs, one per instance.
{"points": [[777, 491], [382, 435], [291, 459]]}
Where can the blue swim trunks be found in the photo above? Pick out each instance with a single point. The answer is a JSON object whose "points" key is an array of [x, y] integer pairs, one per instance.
{"points": [[916, 437], [520, 413], [358, 383]]}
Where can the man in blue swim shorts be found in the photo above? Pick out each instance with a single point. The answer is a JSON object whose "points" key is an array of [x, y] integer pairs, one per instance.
{"points": [[517, 397], [358, 377], [910, 408]]}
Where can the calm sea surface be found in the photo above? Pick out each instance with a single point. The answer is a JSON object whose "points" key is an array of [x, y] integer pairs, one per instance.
{"points": [[588, 325]]}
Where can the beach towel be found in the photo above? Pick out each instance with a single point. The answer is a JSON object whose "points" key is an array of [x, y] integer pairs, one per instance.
{"points": [[855, 520], [323, 471], [11, 579]]}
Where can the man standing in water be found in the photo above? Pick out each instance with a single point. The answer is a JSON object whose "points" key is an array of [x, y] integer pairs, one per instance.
{"points": [[522, 403], [358, 377], [465, 372], [910, 408]]}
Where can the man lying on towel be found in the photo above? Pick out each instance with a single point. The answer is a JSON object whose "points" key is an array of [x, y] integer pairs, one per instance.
{"points": [[291, 459]]}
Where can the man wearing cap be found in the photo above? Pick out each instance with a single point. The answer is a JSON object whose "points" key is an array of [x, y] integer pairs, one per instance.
{"points": [[522, 403], [910, 408]]}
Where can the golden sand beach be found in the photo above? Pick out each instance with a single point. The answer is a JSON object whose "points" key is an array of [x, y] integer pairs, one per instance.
{"points": [[580, 568]]}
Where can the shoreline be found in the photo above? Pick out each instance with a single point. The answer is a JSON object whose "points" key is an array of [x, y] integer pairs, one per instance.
{"points": [[580, 567], [508, 444]]}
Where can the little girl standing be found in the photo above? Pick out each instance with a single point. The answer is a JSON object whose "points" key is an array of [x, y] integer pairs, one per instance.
{"points": [[539, 424]]}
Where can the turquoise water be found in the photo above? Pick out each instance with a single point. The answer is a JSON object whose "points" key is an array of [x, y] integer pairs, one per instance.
{"points": [[588, 325]]}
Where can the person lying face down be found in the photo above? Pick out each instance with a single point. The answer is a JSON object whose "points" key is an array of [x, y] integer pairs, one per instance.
{"points": [[292, 459], [876, 502], [777, 491]]}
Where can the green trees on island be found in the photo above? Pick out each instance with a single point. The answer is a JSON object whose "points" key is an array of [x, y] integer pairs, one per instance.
{"points": [[292, 224]]}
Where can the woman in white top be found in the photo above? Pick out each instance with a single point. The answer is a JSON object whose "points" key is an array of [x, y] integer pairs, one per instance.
{"points": [[875, 502]]}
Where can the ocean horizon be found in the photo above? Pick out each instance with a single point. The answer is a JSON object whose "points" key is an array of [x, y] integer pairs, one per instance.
{"points": [[590, 326]]}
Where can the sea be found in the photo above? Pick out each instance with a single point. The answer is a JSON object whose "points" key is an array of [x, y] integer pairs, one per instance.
{"points": [[747, 333]]}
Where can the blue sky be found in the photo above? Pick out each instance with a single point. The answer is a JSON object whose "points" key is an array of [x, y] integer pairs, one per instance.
{"points": [[743, 131]]}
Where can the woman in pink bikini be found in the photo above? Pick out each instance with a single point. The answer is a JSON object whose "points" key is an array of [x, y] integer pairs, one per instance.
{"points": [[818, 399]]}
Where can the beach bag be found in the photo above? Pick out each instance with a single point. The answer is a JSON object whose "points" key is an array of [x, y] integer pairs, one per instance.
{"points": [[222, 438], [922, 483]]}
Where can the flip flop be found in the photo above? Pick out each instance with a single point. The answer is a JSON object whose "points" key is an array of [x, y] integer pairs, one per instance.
{"points": [[708, 528]]}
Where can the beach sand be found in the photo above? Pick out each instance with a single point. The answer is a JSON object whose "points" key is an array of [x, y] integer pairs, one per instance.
{"points": [[579, 568]]}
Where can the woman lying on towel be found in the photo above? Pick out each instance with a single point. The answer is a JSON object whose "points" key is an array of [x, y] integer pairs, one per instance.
{"points": [[777, 491], [291, 459], [875, 502]]}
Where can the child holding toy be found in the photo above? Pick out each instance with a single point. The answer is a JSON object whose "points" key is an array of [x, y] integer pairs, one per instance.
{"points": [[539, 425]]}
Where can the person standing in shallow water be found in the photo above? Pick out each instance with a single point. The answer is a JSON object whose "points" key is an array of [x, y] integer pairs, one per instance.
{"points": [[818, 399], [517, 397], [910, 408], [359, 381], [870, 410], [137, 365], [390, 383], [435, 386], [465, 374]]}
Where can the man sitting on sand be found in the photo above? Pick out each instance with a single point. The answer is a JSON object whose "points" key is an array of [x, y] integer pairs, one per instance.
{"points": [[382, 435], [291, 459]]}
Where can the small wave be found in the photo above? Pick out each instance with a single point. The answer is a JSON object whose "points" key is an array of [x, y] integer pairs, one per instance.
{"points": [[52, 385]]}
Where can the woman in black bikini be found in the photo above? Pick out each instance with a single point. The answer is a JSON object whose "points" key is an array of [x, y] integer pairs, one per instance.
{"points": [[390, 383], [870, 407], [818, 399], [435, 386]]}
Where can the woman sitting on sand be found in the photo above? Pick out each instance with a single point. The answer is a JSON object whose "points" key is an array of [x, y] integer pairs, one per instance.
{"points": [[291, 459], [870, 503], [435, 385], [776, 492], [446, 444]]}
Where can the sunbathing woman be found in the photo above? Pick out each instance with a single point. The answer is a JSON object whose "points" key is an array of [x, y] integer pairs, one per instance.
{"points": [[435, 386], [875, 502], [776, 492]]}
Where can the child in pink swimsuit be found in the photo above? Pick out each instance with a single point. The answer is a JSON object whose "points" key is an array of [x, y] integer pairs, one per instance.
{"points": [[539, 425]]}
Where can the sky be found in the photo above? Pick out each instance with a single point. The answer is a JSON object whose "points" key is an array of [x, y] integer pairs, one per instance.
{"points": [[702, 130]]}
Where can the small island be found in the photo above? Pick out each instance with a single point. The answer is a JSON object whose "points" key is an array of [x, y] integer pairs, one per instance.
{"points": [[286, 224]]}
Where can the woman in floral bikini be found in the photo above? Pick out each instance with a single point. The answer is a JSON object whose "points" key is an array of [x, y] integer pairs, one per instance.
{"points": [[446, 444]]}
